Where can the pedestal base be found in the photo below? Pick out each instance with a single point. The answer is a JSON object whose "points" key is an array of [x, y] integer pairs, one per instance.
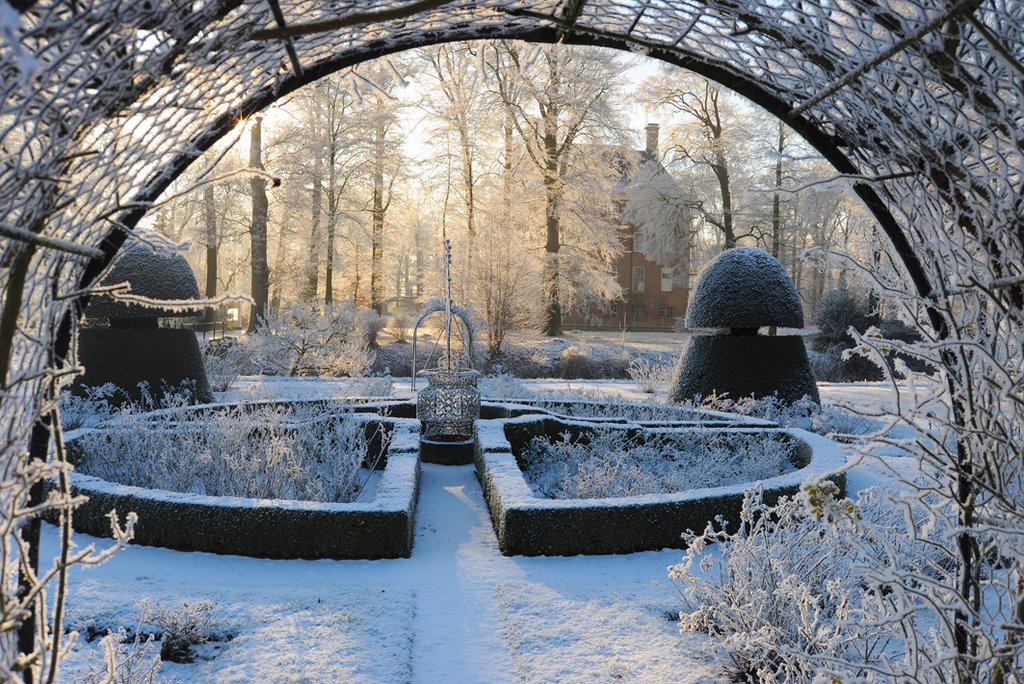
{"points": [[454, 451]]}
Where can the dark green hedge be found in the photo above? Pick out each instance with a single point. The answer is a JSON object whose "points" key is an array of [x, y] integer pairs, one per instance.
{"points": [[530, 525], [127, 357], [382, 528], [263, 531], [743, 366]]}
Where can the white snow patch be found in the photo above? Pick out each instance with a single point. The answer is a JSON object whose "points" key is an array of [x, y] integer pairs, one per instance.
{"points": [[589, 636], [328, 633]]}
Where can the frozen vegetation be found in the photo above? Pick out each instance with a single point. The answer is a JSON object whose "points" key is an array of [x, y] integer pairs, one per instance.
{"points": [[612, 462], [758, 600], [266, 452]]}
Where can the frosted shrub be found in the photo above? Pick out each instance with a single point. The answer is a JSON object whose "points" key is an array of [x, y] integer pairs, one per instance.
{"points": [[648, 376], [838, 311], [132, 657], [97, 405], [825, 418], [779, 590], [268, 452], [504, 386], [613, 463], [790, 596], [179, 627], [369, 325], [578, 362], [306, 339], [398, 326], [225, 359], [169, 397], [371, 386], [126, 660], [598, 405]]}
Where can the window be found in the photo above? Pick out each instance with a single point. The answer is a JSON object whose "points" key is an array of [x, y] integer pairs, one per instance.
{"points": [[665, 312], [638, 312], [667, 280], [639, 279]]}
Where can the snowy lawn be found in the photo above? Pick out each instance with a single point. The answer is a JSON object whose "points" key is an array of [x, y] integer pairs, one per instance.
{"points": [[456, 611], [450, 613]]}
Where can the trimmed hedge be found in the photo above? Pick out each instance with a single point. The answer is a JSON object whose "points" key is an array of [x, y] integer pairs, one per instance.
{"points": [[743, 366], [267, 528], [126, 357], [527, 524]]}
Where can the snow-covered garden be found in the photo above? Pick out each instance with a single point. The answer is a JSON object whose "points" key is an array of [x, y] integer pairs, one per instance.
{"points": [[455, 610], [728, 383]]}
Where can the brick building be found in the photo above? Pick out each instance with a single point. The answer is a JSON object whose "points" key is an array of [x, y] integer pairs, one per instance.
{"points": [[653, 296]]}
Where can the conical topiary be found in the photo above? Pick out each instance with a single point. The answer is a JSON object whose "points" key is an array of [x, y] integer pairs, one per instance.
{"points": [[134, 349], [742, 290]]}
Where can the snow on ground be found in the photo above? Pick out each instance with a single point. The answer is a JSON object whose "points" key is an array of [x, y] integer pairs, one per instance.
{"points": [[456, 611]]}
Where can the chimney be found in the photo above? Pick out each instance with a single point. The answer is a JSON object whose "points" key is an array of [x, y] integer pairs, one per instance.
{"points": [[651, 130]]}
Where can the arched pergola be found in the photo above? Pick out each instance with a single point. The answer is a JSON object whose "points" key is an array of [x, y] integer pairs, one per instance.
{"points": [[919, 104]]}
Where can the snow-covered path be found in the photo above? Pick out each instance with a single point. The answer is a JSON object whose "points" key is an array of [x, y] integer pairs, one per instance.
{"points": [[457, 629], [456, 611]]}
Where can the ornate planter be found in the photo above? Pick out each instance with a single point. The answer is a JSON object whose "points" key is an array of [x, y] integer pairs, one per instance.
{"points": [[448, 405]]}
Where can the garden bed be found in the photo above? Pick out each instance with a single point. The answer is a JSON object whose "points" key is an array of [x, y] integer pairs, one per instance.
{"points": [[377, 524], [528, 523]]}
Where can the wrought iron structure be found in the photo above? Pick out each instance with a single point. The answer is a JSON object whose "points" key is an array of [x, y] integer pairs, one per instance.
{"points": [[918, 104], [450, 403]]}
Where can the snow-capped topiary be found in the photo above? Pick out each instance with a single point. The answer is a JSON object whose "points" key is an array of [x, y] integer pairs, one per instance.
{"points": [[744, 287], [134, 349], [152, 275], [742, 290]]}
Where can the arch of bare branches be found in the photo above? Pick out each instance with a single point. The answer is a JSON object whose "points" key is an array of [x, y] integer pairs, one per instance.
{"points": [[919, 104]]}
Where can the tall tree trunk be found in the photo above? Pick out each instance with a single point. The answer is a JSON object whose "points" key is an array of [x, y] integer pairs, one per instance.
{"points": [[468, 180], [332, 220], [211, 248], [552, 202], [258, 228], [377, 254], [420, 263], [357, 278], [683, 279], [497, 304], [721, 169], [506, 171], [468, 285], [776, 200], [777, 203], [313, 273]]}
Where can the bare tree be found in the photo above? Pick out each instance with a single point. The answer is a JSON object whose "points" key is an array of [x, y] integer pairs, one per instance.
{"points": [[210, 216], [709, 138], [559, 97], [460, 108], [258, 226]]}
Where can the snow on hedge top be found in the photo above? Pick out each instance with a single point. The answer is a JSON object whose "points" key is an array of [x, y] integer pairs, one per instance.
{"points": [[744, 287], [153, 276]]}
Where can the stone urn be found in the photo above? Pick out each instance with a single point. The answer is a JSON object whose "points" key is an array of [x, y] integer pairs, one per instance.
{"points": [[125, 343], [743, 290]]}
